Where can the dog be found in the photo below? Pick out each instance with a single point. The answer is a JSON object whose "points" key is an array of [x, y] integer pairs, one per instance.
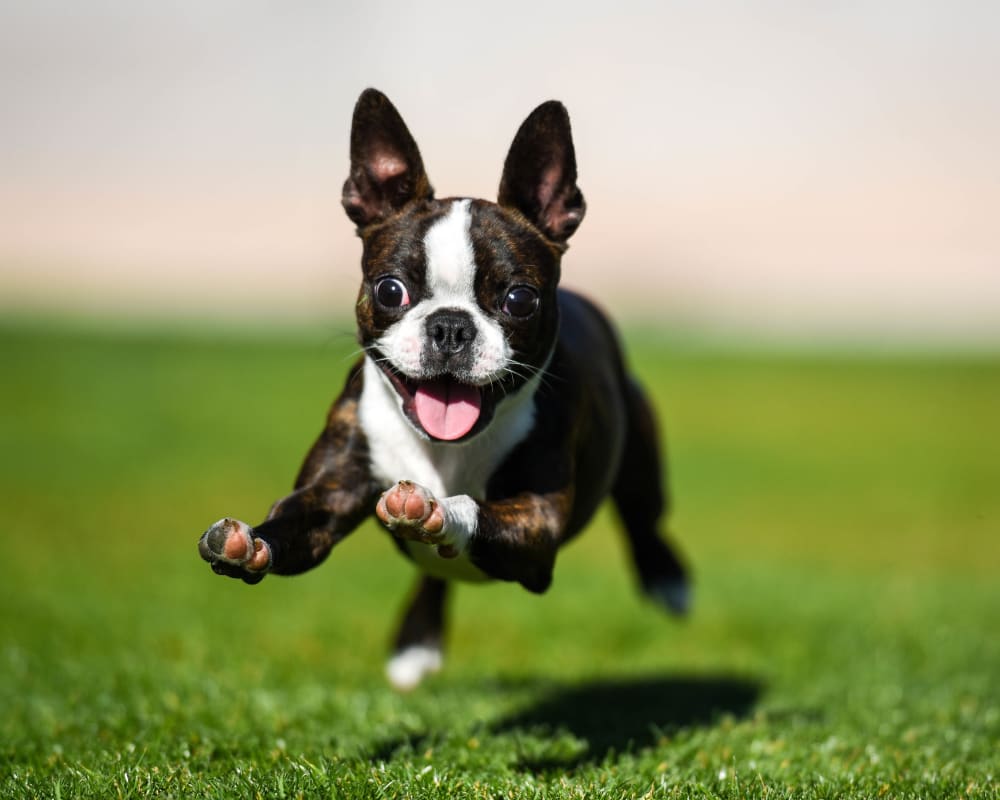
{"points": [[491, 412]]}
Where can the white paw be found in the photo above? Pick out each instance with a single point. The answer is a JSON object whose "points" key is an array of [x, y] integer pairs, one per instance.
{"points": [[406, 669]]}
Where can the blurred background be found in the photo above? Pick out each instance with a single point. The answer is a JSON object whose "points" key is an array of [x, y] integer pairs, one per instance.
{"points": [[804, 170], [793, 212]]}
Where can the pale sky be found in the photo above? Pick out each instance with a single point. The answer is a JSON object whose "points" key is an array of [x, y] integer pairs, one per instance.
{"points": [[799, 168]]}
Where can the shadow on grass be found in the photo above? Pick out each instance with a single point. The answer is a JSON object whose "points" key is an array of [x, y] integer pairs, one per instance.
{"points": [[607, 718], [621, 715]]}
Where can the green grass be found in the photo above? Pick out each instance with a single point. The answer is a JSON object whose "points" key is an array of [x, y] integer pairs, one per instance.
{"points": [[842, 515]]}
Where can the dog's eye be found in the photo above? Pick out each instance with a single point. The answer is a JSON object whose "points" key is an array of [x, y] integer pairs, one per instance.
{"points": [[521, 301], [391, 293]]}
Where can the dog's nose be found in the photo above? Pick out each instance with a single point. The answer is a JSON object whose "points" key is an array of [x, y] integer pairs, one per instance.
{"points": [[450, 330]]}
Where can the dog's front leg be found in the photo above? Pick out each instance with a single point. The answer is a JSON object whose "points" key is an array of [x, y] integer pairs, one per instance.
{"points": [[515, 539], [299, 531], [333, 493]]}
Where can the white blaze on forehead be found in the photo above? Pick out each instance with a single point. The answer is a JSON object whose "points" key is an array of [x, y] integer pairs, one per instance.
{"points": [[451, 264]]}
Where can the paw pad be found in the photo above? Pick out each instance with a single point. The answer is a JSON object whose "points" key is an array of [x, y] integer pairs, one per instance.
{"points": [[231, 543], [411, 511]]}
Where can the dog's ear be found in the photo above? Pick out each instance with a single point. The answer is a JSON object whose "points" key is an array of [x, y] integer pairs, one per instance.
{"points": [[386, 169], [539, 175]]}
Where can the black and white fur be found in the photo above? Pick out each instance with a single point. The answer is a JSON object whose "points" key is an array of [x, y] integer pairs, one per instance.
{"points": [[460, 312]]}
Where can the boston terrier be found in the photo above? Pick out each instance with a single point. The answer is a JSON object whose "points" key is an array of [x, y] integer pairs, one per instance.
{"points": [[491, 412]]}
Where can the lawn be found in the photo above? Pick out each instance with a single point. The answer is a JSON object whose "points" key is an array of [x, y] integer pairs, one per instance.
{"points": [[841, 512]]}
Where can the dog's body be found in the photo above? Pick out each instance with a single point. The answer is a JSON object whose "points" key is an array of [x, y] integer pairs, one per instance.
{"points": [[491, 414]]}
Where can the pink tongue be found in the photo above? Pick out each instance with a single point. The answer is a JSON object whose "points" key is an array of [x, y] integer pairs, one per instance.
{"points": [[447, 409]]}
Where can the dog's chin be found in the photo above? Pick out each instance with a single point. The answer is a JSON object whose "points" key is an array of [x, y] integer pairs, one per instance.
{"points": [[444, 408]]}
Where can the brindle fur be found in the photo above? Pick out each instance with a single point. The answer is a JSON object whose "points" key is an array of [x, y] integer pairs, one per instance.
{"points": [[594, 433]]}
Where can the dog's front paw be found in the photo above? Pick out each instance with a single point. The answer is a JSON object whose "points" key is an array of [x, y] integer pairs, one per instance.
{"points": [[411, 512], [232, 549]]}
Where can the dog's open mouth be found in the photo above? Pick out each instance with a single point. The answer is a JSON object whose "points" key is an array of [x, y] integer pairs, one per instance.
{"points": [[444, 407], [447, 409]]}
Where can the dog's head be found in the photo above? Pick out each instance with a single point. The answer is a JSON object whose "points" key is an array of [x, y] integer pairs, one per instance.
{"points": [[458, 300]]}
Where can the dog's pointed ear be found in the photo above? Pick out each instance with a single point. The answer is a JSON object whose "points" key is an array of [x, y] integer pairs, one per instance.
{"points": [[539, 175], [386, 169]]}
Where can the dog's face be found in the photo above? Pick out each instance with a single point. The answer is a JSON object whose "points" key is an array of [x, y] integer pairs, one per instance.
{"points": [[458, 300]]}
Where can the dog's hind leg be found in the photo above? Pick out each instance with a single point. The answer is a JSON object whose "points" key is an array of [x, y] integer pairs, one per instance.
{"points": [[417, 651], [642, 504]]}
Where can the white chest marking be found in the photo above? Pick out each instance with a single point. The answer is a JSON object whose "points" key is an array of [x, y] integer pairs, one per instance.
{"points": [[456, 471]]}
